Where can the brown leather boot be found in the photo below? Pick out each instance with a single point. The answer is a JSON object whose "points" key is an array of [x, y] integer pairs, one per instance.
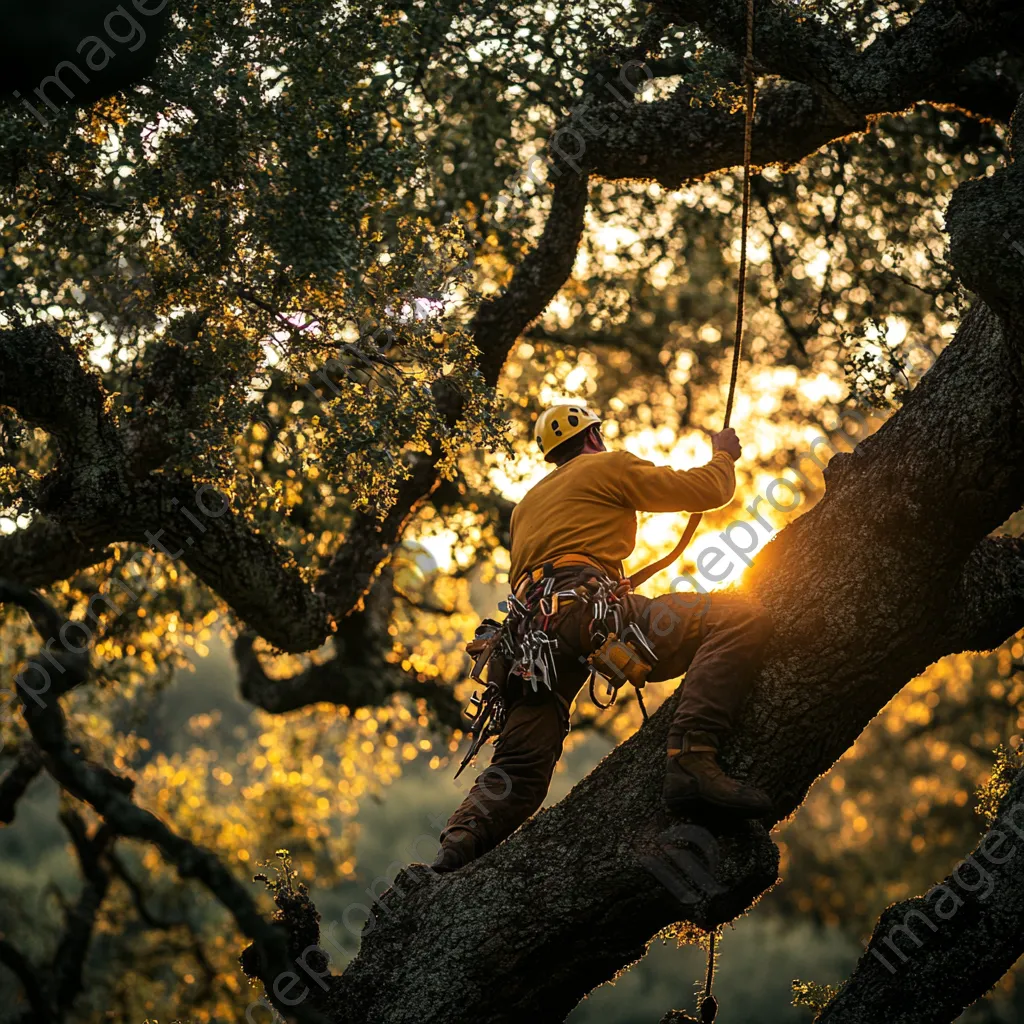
{"points": [[694, 779], [458, 847]]}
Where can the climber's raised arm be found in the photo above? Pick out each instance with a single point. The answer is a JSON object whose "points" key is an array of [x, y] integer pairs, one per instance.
{"points": [[650, 488]]}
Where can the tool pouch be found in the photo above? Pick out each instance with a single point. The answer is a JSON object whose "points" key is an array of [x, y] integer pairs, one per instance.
{"points": [[618, 662]]}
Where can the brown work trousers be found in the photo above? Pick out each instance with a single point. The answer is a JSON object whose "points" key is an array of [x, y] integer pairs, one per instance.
{"points": [[716, 639]]}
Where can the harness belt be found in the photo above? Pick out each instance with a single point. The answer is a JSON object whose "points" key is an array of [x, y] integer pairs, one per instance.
{"points": [[561, 562]]}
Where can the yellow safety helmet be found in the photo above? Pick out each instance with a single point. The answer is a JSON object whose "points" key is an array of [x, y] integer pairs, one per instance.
{"points": [[559, 423]]}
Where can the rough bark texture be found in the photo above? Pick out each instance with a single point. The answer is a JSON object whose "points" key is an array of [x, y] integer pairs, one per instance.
{"points": [[828, 89]]}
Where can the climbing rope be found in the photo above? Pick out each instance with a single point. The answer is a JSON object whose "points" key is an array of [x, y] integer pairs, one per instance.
{"points": [[709, 1004], [642, 575], [748, 132]]}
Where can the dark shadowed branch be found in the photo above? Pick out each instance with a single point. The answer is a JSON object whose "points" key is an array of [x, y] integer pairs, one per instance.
{"points": [[358, 674], [52, 988], [27, 765], [826, 90], [931, 956]]}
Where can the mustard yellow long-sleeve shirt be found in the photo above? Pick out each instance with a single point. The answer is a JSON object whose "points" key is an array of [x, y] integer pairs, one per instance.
{"points": [[589, 506]]}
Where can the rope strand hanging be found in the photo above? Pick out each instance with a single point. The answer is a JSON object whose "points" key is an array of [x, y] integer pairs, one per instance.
{"points": [[750, 84], [741, 285], [708, 1003]]}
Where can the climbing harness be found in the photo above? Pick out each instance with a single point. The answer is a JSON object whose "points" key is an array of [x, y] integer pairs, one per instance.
{"points": [[522, 645], [644, 574]]}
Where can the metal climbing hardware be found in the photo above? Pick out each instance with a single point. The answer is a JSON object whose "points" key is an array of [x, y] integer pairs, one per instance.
{"points": [[623, 654], [617, 660], [487, 719], [481, 648], [523, 645], [519, 645], [486, 712]]}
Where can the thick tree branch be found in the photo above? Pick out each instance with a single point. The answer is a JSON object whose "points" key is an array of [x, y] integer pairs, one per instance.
{"points": [[799, 49], [897, 69], [358, 675], [15, 781], [988, 89], [671, 142], [987, 604], [833, 92], [69, 959], [985, 222], [257, 578], [351, 682], [930, 957], [44, 381], [45, 551]]}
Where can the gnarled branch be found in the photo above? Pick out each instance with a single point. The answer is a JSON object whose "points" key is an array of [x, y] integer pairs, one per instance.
{"points": [[931, 956], [15, 781]]}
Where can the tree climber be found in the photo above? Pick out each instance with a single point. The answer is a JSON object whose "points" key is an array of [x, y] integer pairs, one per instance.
{"points": [[570, 606]]}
